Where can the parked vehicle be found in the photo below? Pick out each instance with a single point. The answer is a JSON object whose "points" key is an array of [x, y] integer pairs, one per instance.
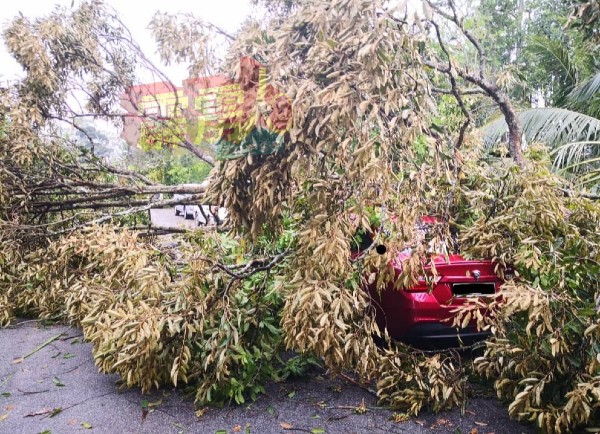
{"points": [[209, 215], [203, 215], [422, 315], [189, 211], [180, 209]]}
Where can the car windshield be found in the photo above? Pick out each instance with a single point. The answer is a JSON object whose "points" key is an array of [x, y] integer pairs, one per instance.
{"points": [[431, 233], [428, 230]]}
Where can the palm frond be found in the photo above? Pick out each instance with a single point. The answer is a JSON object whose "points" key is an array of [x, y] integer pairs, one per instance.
{"points": [[590, 180], [579, 161], [551, 126], [585, 97], [575, 155], [585, 91], [557, 60]]}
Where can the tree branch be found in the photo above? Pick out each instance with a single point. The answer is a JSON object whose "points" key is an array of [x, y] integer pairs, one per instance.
{"points": [[515, 130], [470, 91], [190, 199], [454, 90]]}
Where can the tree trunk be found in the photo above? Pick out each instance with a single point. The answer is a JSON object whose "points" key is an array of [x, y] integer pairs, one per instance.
{"points": [[515, 131]]}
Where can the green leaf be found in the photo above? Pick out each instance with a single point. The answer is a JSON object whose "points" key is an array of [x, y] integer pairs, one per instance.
{"points": [[585, 91], [55, 411], [86, 425], [57, 382], [68, 356], [587, 312], [317, 431], [6, 394]]}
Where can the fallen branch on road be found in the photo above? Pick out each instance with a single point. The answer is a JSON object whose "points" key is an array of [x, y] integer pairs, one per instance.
{"points": [[45, 344]]}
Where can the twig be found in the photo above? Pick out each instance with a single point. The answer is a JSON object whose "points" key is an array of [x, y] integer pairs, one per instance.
{"points": [[356, 383], [67, 338], [469, 91], [25, 392], [45, 344]]}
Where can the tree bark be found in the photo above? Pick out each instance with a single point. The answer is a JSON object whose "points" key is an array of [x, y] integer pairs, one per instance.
{"points": [[515, 132]]}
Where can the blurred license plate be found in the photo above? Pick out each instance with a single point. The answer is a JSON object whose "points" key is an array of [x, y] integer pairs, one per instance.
{"points": [[471, 289]]}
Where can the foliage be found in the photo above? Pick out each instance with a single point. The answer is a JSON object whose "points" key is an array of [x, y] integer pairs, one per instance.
{"points": [[83, 42], [184, 38], [411, 381], [9, 257], [551, 126], [585, 16], [221, 335], [568, 67], [169, 167], [574, 136], [586, 93], [50, 182], [102, 143], [543, 356], [558, 64], [368, 150], [507, 31]]}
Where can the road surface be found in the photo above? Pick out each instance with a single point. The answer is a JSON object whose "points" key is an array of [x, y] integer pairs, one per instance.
{"points": [[165, 217], [58, 390]]}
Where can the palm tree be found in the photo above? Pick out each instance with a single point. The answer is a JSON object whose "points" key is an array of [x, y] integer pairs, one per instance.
{"points": [[571, 127]]}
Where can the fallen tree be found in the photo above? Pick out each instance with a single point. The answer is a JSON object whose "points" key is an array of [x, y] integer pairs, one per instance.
{"points": [[360, 148]]}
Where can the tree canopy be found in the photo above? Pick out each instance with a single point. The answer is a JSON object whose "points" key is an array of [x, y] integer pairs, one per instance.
{"points": [[387, 105]]}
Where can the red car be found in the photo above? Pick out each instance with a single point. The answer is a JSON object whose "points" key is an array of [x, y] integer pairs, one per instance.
{"points": [[422, 315]]}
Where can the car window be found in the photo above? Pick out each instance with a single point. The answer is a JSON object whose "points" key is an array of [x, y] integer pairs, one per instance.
{"points": [[429, 234]]}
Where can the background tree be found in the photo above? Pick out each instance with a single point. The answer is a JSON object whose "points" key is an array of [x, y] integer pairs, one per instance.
{"points": [[103, 143], [444, 61], [558, 66]]}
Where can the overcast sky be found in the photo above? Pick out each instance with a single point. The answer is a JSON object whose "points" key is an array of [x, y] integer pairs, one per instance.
{"points": [[227, 14]]}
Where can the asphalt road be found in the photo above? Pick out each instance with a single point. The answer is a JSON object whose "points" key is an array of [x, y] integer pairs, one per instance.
{"points": [[58, 390], [165, 217]]}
